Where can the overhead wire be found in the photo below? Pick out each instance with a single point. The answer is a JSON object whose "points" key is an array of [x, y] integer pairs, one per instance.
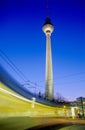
{"points": [[24, 78], [67, 76], [16, 69], [12, 65]]}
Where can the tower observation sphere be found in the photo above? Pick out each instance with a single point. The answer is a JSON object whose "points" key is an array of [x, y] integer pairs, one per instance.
{"points": [[48, 27], [49, 90]]}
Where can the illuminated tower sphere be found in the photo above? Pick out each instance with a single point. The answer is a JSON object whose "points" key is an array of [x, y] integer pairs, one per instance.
{"points": [[49, 90]]}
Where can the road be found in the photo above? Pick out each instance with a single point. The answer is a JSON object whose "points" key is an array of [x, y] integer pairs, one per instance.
{"points": [[30, 123]]}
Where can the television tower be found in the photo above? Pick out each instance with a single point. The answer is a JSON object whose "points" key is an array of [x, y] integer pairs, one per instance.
{"points": [[49, 90]]}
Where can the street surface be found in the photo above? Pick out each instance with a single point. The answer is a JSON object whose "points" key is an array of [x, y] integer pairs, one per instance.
{"points": [[26, 123]]}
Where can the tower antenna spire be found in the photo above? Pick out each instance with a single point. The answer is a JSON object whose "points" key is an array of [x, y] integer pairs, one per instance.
{"points": [[47, 9]]}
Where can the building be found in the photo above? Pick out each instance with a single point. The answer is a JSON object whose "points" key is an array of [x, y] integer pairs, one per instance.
{"points": [[81, 105]]}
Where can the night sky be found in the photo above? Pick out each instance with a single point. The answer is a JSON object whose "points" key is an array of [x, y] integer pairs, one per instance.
{"points": [[23, 41]]}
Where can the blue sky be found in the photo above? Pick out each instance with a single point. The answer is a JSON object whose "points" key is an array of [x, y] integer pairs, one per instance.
{"points": [[22, 40]]}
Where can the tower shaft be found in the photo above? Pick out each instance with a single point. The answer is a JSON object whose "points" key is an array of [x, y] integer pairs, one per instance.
{"points": [[49, 73], [48, 29]]}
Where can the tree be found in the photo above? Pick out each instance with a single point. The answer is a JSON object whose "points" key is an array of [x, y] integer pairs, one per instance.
{"points": [[60, 98]]}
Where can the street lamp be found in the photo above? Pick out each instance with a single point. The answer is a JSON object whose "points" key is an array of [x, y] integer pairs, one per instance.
{"points": [[33, 102], [64, 110]]}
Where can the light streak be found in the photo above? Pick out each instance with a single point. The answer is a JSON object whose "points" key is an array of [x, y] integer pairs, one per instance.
{"points": [[19, 97]]}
